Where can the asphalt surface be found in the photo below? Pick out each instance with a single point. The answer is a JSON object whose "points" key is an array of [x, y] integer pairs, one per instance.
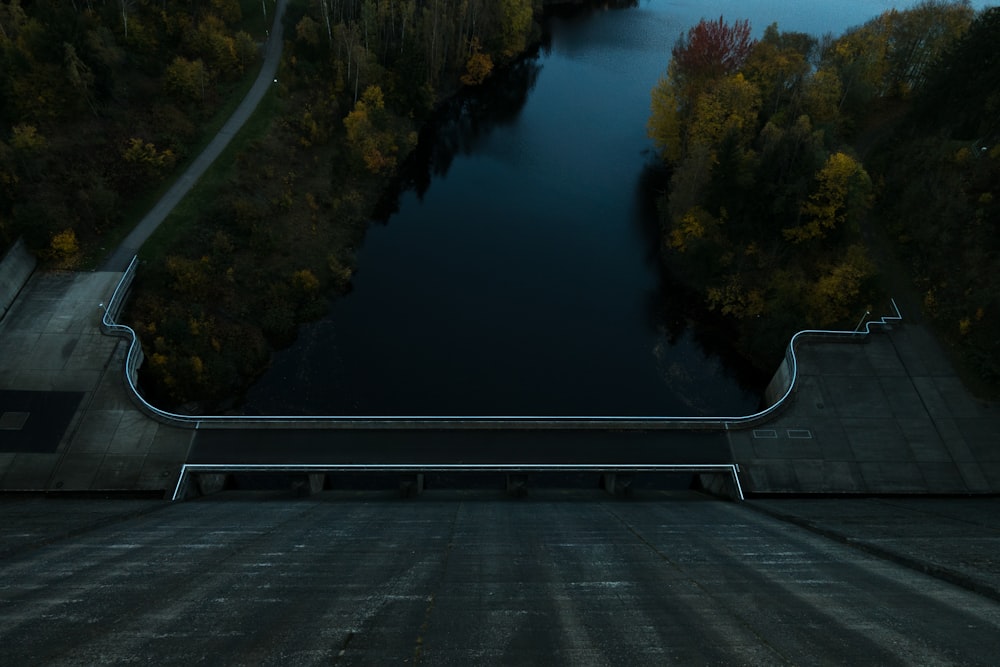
{"points": [[120, 258], [456, 580], [34, 421]]}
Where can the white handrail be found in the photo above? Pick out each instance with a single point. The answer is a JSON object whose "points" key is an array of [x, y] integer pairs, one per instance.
{"points": [[134, 359], [689, 468]]}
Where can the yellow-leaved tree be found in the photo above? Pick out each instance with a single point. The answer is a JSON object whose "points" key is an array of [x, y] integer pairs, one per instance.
{"points": [[367, 132], [664, 126], [727, 107], [843, 191]]}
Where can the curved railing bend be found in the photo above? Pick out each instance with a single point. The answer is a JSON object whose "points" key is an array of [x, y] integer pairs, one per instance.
{"points": [[786, 378]]}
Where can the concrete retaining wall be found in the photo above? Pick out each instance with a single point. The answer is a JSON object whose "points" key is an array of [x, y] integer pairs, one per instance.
{"points": [[15, 269]]}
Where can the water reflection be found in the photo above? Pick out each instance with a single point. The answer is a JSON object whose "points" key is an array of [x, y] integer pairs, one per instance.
{"points": [[460, 127], [519, 271]]}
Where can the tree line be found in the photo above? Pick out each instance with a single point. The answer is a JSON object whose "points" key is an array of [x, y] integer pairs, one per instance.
{"points": [[775, 152], [99, 101], [358, 80]]}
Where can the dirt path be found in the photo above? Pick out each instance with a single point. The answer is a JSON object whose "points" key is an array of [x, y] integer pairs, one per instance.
{"points": [[120, 258]]}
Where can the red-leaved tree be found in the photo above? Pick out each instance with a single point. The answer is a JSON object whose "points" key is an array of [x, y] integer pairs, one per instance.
{"points": [[710, 50]]}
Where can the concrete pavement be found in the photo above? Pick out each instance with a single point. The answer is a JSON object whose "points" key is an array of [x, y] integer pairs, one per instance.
{"points": [[456, 578], [50, 341], [888, 416]]}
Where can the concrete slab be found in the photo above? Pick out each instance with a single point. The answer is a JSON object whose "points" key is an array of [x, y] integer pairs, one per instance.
{"points": [[27, 319], [810, 398], [830, 359], [91, 353], [853, 396], [981, 437], [943, 478], [158, 473], [974, 478], [51, 351], [28, 471], [76, 471], [923, 440], [473, 581], [50, 341], [909, 427], [16, 346], [956, 539], [919, 352], [94, 434], [902, 397], [134, 434], [118, 471], [783, 447], [842, 477], [876, 439], [893, 476], [171, 442], [990, 471]]}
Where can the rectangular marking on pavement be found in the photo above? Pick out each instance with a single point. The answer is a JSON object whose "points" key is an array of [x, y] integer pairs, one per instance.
{"points": [[799, 434], [765, 433], [13, 421]]}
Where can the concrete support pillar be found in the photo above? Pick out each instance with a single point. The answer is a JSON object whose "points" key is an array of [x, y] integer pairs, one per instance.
{"points": [[517, 485], [411, 485], [211, 483], [719, 484], [317, 482], [308, 484], [617, 484]]}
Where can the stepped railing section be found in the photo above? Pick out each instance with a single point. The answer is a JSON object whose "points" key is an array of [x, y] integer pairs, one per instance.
{"points": [[777, 395]]}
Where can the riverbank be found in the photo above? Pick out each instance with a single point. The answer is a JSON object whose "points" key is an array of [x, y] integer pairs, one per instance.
{"points": [[269, 238]]}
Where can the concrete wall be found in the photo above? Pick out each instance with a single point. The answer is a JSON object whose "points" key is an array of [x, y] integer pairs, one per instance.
{"points": [[780, 381], [15, 269]]}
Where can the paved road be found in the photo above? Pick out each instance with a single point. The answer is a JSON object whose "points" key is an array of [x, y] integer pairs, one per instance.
{"points": [[120, 258], [462, 580]]}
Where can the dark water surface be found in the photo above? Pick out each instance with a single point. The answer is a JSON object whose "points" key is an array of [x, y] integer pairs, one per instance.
{"points": [[520, 275]]}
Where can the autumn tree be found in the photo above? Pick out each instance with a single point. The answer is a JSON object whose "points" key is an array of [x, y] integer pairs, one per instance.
{"points": [[478, 66], [186, 79], [918, 37], [727, 107], [368, 132], [709, 50], [843, 192], [779, 66], [515, 20]]}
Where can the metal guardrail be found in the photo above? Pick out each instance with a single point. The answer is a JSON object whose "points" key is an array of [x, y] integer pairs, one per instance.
{"points": [[789, 368], [188, 469]]}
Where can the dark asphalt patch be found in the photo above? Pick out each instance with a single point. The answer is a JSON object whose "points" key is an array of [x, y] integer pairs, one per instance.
{"points": [[34, 421]]}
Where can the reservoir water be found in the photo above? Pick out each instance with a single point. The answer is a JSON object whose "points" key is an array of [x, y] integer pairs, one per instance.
{"points": [[519, 274]]}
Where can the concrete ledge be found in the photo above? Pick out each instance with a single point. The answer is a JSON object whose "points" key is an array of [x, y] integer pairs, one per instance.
{"points": [[15, 269]]}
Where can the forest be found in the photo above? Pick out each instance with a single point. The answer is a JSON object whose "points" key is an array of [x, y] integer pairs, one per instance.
{"points": [[796, 163], [802, 169], [104, 100]]}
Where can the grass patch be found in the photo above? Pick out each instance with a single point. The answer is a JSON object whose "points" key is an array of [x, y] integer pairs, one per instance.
{"points": [[181, 221], [231, 93]]}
